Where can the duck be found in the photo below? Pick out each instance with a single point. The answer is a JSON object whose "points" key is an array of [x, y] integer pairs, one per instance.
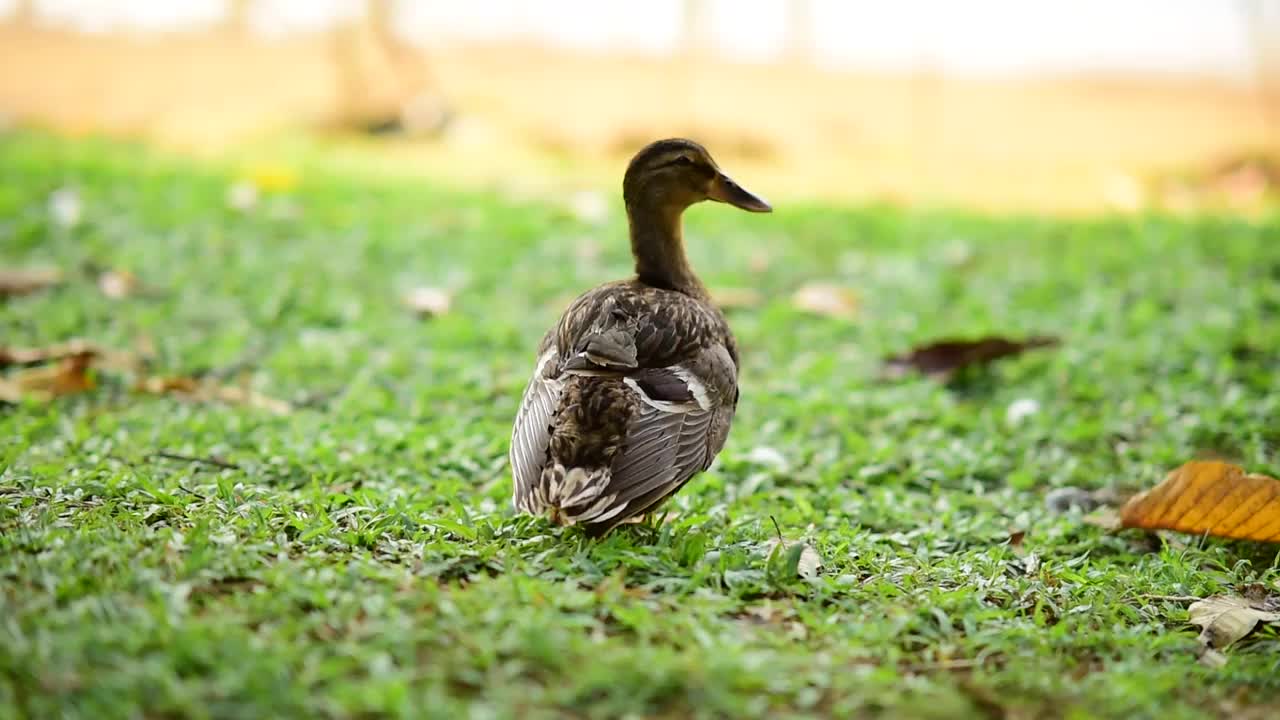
{"points": [[635, 387]]}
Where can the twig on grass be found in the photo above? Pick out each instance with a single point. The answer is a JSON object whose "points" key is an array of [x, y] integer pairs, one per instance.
{"points": [[215, 462]]}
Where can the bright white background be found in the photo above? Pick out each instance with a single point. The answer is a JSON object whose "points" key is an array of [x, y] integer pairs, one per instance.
{"points": [[969, 37]]}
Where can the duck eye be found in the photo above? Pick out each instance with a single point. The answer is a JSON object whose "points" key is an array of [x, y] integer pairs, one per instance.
{"points": [[684, 160]]}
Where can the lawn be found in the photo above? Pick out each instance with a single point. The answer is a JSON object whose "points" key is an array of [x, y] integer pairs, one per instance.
{"points": [[358, 557]]}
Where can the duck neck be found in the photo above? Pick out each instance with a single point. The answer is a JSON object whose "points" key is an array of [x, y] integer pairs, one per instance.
{"points": [[657, 243]]}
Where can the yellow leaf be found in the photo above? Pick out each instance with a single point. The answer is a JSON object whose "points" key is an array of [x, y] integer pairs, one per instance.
{"points": [[1209, 497]]}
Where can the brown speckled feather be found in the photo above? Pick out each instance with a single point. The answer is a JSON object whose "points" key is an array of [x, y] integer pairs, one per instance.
{"points": [[636, 385], [640, 381]]}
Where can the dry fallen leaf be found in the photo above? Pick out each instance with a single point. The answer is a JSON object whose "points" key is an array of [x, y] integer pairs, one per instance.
{"points": [[1209, 497], [428, 301], [14, 283], [826, 299], [945, 357], [117, 284], [1224, 619], [35, 356], [808, 563], [69, 376], [193, 390]]}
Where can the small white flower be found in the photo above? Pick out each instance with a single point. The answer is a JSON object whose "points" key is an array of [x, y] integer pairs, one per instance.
{"points": [[1020, 410]]}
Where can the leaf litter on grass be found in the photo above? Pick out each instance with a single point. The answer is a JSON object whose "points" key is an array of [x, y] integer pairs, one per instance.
{"points": [[26, 281], [68, 376], [827, 299], [191, 389], [913, 585], [1209, 498], [427, 301], [64, 369], [946, 357], [1224, 619]]}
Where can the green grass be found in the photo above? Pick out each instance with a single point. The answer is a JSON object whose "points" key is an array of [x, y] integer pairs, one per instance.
{"points": [[363, 559]]}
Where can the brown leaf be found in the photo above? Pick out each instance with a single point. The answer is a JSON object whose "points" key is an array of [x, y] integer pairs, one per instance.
{"points": [[103, 359], [14, 283], [35, 356], [69, 376], [428, 301], [1209, 497], [1224, 619], [193, 390], [945, 357], [826, 299]]}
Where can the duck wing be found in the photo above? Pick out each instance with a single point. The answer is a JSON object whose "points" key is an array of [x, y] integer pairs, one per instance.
{"points": [[633, 395], [677, 362], [680, 422], [531, 433]]}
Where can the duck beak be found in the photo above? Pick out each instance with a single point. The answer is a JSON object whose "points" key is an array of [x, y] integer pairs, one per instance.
{"points": [[725, 190]]}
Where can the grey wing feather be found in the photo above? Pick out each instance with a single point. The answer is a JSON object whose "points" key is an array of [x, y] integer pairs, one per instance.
{"points": [[532, 431], [663, 450], [677, 430]]}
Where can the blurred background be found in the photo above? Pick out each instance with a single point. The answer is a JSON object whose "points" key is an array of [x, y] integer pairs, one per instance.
{"points": [[1047, 106]]}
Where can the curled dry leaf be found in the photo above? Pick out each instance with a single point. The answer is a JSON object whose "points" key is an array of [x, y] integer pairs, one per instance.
{"points": [[945, 357], [428, 301], [14, 283], [807, 561], [193, 390], [1224, 619], [1209, 497], [68, 377], [826, 299]]}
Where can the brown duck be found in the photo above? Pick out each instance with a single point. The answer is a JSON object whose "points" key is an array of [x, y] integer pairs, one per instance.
{"points": [[635, 386]]}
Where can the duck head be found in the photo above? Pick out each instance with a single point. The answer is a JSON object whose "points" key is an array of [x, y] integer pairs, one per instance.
{"points": [[668, 176], [664, 179]]}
